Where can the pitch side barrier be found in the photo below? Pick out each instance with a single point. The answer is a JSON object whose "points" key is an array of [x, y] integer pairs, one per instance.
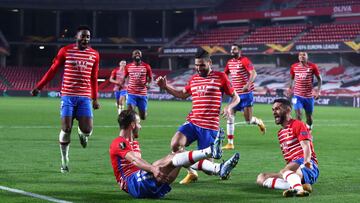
{"points": [[350, 101]]}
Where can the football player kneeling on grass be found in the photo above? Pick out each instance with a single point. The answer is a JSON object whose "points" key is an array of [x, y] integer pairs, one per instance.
{"points": [[296, 144], [138, 177]]}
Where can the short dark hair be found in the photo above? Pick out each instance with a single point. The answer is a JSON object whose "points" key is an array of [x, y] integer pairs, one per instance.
{"points": [[202, 54], [237, 45], [125, 118], [83, 27], [283, 101]]}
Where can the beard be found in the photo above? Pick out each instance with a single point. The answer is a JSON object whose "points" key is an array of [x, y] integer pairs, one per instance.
{"points": [[280, 119], [235, 55], [83, 44], [137, 59], [203, 73]]}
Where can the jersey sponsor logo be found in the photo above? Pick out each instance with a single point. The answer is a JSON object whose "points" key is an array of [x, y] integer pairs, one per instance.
{"points": [[201, 90], [301, 76], [303, 133], [79, 65]]}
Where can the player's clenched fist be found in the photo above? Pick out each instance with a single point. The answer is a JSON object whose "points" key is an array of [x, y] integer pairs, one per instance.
{"points": [[161, 82]]}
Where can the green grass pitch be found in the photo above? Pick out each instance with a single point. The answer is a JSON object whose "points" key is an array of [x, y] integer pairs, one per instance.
{"points": [[30, 156]]}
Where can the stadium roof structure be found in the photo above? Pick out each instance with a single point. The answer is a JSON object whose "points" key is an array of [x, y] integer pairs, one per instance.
{"points": [[108, 4]]}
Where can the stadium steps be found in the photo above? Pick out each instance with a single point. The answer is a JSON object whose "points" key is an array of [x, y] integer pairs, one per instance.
{"points": [[265, 6], [300, 35], [357, 38], [5, 82], [172, 42], [294, 4], [243, 37]]}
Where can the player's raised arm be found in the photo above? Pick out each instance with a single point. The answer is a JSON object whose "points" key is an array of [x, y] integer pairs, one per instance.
{"points": [[49, 75], [162, 83]]}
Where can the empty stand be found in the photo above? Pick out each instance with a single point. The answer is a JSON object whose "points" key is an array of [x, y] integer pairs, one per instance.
{"points": [[240, 5], [326, 3], [274, 34], [332, 33], [25, 78], [218, 36]]}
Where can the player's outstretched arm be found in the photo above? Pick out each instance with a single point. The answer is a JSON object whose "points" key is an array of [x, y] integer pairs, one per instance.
{"points": [[162, 83], [144, 165], [49, 75]]}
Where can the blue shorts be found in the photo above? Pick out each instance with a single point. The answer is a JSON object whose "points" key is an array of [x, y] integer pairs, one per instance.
{"points": [[309, 175], [143, 185], [246, 100], [122, 93], [137, 100], [303, 103], [75, 107], [205, 137]]}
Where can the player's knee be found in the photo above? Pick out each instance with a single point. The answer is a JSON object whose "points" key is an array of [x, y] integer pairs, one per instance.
{"points": [[67, 130], [260, 179], [85, 130], [175, 147]]}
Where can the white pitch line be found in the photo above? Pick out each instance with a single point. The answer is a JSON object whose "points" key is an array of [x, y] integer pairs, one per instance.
{"points": [[335, 123], [50, 199]]}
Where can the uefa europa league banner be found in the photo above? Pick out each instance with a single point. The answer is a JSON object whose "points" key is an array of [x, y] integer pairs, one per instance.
{"points": [[349, 46]]}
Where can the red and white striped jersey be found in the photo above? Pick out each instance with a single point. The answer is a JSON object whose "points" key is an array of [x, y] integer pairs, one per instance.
{"points": [[80, 71], [206, 95], [123, 168], [239, 70], [119, 76], [303, 77], [290, 138], [138, 78]]}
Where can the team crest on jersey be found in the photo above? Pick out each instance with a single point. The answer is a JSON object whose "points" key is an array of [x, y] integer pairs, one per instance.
{"points": [[122, 145]]}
